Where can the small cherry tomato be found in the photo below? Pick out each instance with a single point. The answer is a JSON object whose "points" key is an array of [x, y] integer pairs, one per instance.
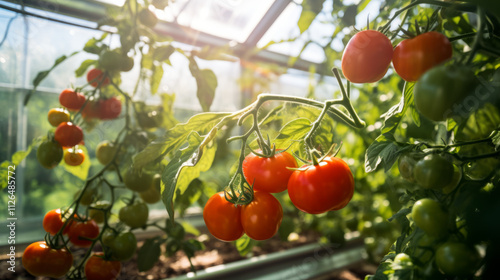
{"points": [[68, 134], [71, 99], [91, 110], [147, 17], [366, 57], [96, 78], [413, 57], [105, 152], [97, 211], [98, 268], [222, 218], [56, 116], [137, 181], [74, 156], [153, 194], [122, 246], [433, 172], [457, 259], [52, 221], [262, 217], [430, 217], [79, 233], [109, 108], [135, 215], [269, 174], [320, 188], [49, 154], [41, 260]]}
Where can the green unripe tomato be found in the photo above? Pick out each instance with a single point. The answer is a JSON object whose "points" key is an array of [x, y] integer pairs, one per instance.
{"points": [[433, 172], [123, 246], [440, 92], [430, 217], [406, 164], [97, 214], [49, 154], [105, 152], [137, 181], [457, 259], [135, 215], [147, 17]]}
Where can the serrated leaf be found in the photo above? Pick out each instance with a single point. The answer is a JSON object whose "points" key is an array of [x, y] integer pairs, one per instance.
{"points": [[148, 254], [93, 45], [84, 66], [175, 137], [384, 150], [81, 171], [244, 245], [392, 118], [156, 78], [291, 132], [206, 83], [186, 165]]}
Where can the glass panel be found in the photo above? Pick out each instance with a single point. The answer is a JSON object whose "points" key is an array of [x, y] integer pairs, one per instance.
{"points": [[230, 19]]}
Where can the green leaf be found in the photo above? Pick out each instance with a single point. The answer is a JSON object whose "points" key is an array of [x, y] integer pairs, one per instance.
{"points": [[189, 197], [310, 9], [169, 120], [287, 226], [206, 82], [349, 18], [156, 78], [384, 150], [189, 228], [383, 270], [84, 66], [186, 165], [244, 245], [175, 137], [292, 132], [81, 171], [148, 254], [392, 118], [163, 53]]}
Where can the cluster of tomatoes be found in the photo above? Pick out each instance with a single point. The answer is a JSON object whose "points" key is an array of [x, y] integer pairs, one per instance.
{"points": [[440, 87], [68, 135], [55, 259], [314, 189]]}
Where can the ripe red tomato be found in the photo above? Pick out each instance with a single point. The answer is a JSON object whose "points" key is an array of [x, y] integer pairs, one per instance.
{"points": [[91, 110], [71, 99], [366, 57], [96, 78], [52, 222], [56, 116], [41, 260], [68, 134], [74, 156], [80, 232], [262, 217], [323, 187], [222, 218], [98, 268], [109, 108], [269, 174], [413, 57]]}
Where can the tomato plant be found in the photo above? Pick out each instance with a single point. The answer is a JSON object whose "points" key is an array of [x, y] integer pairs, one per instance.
{"points": [[222, 218], [98, 268], [134, 215], [49, 154], [153, 194], [262, 217], [71, 99], [74, 156], [367, 57], [122, 245], [81, 233], [269, 174], [56, 116], [327, 186], [68, 134], [41, 260]]}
